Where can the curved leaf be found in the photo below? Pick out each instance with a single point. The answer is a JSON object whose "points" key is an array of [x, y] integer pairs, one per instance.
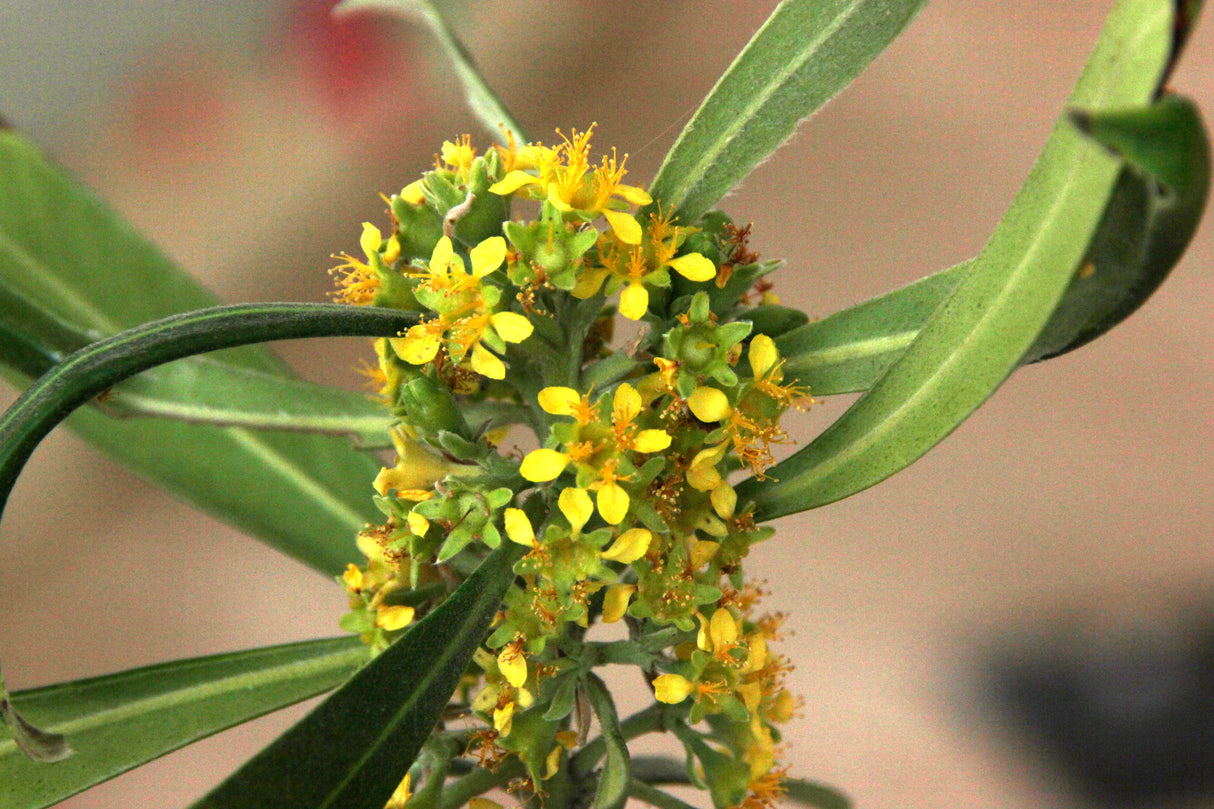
{"points": [[806, 52], [980, 333], [1155, 210], [353, 750], [100, 365], [1150, 219], [122, 720], [64, 250]]}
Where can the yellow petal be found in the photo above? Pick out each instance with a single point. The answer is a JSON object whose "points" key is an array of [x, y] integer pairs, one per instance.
{"points": [[783, 707], [709, 404], [551, 764], [558, 201], [402, 794], [624, 226], [626, 404], [513, 665], [615, 601], [559, 401], [672, 688], [634, 301], [513, 182], [442, 256], [694, 267], [543, 464], [703, 477], [511, 327], [370, 240], [633, 194], [503, 719], [651, 441], [756, 653], [353, 577], [412, 193], [487, 256], [518, 527], [629, 546], [576, 506], [613, 503], [486, 363], [418, 346], [589, 280], [723, 629], [394, 618], [417, 523], [724, 500], [701, 552], [762, 355]]}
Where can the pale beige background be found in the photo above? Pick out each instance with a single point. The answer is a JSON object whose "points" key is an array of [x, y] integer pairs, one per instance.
{"points": [[1083, 490]]}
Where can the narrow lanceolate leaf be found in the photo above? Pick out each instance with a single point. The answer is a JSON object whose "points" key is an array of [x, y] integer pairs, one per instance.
{"points": [[64, 250], [980, 333], [806, 52], [481, 98], [98, 366], [266, 401], [122, 720], [353, 750], [612, 789], [850, 350]]}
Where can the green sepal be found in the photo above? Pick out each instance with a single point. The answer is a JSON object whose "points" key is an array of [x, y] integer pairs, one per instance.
{"points": [[418, 229], [484, 217]]}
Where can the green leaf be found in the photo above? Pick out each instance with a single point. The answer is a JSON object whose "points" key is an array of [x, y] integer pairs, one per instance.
{"points": [[1151, 218], [353, 749], [974, 340], [200, 390], [120, 721], [847, 352], [100, 365], [806, 52], [481, 99], [810, 793], [81, 264], [612, 790]]}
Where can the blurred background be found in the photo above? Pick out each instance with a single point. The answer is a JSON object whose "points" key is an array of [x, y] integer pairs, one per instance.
{"points": [[1021, 619]]}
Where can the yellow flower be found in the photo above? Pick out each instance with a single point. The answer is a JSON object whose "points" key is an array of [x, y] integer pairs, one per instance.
{"points": [[466, 320], [458, 155], [642, 264], [513, 664], [359, 281], [565, 179]]}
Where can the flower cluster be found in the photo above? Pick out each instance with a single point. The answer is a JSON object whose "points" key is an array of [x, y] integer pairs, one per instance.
{"points": [[626, 512]]}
